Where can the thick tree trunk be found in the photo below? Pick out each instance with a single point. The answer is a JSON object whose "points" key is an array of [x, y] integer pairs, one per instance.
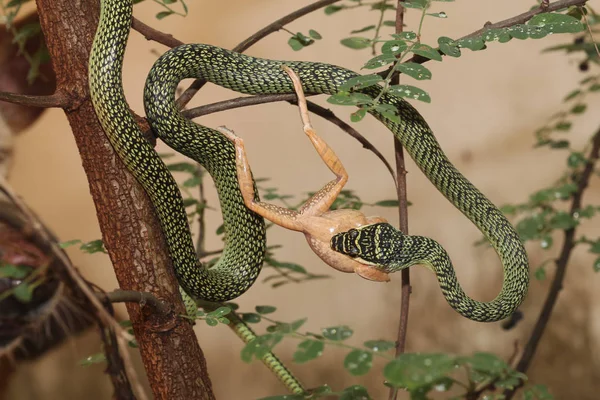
{"points": [[174, 362]]}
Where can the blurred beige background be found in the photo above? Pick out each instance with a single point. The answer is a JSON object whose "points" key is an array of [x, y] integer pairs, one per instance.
{"points": [[485, 108]]}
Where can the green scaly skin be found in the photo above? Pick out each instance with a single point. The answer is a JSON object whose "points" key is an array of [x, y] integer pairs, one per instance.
{"points": [[245, 246]]}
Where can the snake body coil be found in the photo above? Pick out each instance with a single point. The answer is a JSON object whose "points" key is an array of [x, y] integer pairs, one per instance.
{"points": [[245, 236]]}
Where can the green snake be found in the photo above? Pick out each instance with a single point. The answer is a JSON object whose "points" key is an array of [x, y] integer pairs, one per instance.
{"points": [[244, 249]]}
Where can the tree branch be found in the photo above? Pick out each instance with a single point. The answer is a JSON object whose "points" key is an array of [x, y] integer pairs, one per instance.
{"points": [[58, 100], [142, 298], [561, 268], [290, 98], [401, 191], [244, 45]]}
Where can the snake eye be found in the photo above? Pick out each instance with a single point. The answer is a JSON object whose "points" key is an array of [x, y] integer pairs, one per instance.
{"points": [[352, 233]]}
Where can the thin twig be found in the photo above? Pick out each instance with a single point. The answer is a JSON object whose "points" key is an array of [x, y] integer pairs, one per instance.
{"points": [[561, 268], [154, 34], [131, 296], [57, 100], [291, 98], [401, 191], [251, 40]]}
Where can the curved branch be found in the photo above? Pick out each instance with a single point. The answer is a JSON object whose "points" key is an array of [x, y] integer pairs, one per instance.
{"points": [[290, 98]]}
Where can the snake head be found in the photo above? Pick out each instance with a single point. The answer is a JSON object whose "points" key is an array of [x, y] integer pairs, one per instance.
{"points": [[372, 244]]}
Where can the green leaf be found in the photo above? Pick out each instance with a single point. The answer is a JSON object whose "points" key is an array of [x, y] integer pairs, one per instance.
{"points": [[441, 14], [563, 220], [474, 43], [388, 203], [496, 35], [427, 52], [407, 35], [69, 243], [356, 42], [557, 23], [358, 115], [358, 362], [546, 242], [251, 318], [418, 4], [260, 346], [449, 46], [23, 292], [93, 359], [192, 182], [14, 271], [182, 167], [314, 34], [379, 345], [355, 392], [332, 9], [365, 29], [594, 248], [288, 265], [265, 309], [394, 47], [487, 363], [578, 108], [211, 321], [537, 392], [414, 371], [597, 265], [163, 14], [219, 312], [410, 92], [360, 82], [95, 246], [285, 396], [576, 159], [572, 95], [540, 274], [308, 350], [295, 44], [380, 61], [337, 333], [563, 126], [414, 70]]}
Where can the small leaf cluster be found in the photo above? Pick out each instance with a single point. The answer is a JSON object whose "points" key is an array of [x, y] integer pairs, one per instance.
{"points": [[28, 279], [418, 374], [298, 41], [95, 246]]}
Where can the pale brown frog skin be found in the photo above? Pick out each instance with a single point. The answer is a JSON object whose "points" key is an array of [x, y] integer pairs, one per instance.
{"points": [[313, 218]]}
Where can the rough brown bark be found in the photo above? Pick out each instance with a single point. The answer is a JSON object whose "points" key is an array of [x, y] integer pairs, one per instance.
{"points": [[174, 362]]}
